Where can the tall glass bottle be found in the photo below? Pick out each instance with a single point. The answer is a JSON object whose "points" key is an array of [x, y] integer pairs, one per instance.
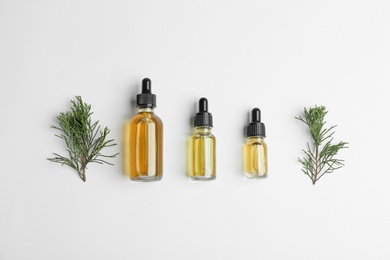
{"points": [[202, 157], [256, 158], [146, 138]]}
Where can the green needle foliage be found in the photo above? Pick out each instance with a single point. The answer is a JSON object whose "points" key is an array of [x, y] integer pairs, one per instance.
{"points": [[321, 159], [84, 140]]}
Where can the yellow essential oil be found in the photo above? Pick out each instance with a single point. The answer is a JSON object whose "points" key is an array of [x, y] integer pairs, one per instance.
{"points": [[202, 148], [146, 138], [256, 158]]}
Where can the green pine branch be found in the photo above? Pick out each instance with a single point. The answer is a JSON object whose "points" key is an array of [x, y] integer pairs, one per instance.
{"points": [[84, 140], [321, 159]]}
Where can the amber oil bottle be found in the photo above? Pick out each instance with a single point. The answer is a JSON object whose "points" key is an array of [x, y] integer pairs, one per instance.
{"points": [[202, 150], [146, 138], [256, 158]]}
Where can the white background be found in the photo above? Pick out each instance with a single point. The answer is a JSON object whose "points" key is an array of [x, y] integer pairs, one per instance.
{"points": [[278, 55]]}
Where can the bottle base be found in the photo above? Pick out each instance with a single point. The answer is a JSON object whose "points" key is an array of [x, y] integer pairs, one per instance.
{"points": [[203, 178], [256, 176], [146, 178]]}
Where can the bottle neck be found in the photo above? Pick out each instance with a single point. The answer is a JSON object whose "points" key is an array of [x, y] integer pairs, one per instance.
{"points": [[203, 129], [145, 110], [256, 137]]}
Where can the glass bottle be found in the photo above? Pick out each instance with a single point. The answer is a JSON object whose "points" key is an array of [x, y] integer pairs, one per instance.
{"points": [[202, 157], [256, 158], [146, 138]]}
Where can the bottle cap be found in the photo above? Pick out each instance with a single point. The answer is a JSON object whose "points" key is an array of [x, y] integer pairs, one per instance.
{"points": [[203, 117], [256, 127], [146, 98]]}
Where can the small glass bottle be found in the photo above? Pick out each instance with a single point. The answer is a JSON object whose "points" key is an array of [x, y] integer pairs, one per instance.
{"points": [[146, 138], [256, 159], [202, 157]]}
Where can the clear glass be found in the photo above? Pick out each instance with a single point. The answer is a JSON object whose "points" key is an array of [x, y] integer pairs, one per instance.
{"points": [[256, 158], [146, 146], [202, 164]]}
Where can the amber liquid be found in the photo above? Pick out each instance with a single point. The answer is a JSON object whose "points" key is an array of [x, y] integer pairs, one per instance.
{"points": [[256, 158], [146, 146], [202, 164]]}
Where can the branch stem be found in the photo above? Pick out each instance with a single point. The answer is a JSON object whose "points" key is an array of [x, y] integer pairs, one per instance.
{"points": [[317, 166]]}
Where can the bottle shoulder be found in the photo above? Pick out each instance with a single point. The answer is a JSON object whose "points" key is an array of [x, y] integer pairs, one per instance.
{"points": [[157, 119], [256, 140], [146, 117], [203, 135]]}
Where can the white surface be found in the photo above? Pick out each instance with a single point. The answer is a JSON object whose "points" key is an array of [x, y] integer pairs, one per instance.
{"points": [[278, 55]]}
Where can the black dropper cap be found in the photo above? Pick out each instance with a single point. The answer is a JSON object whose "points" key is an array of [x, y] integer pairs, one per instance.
{"points": [[146, 98], [203, 117], [256, 127]]}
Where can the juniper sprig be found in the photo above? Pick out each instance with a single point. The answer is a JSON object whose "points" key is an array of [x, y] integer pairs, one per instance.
{"points": [[320, 155], [84, 140]]}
